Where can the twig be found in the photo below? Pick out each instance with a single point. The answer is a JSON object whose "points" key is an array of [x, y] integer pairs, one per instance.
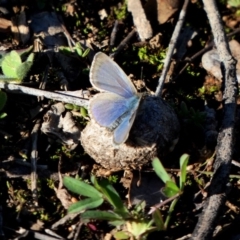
{"points": [[188, 60], [218, 188], [123, 43], [22, 162], [36, 235], [62, 221], [171, 47], [50, 95], [34, 156], [77, 233], [153, 208], [52, 233], [114, 34]]}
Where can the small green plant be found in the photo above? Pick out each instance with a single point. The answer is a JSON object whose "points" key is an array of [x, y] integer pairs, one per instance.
{"points": [[234, 3], [132, 224], [192, 72], [13, 67], [77, 49], [152, 57], [121, 12], [171, 189], [210, 90]]}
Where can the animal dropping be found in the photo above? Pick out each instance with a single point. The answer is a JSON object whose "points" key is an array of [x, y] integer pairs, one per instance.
{"points": [[142, 126]]}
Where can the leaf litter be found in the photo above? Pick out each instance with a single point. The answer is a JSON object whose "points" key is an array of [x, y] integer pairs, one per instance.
{"points": [[194, 94]]}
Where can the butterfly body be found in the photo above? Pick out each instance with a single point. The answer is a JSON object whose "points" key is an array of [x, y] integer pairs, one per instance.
{"points": [[116, 106]]}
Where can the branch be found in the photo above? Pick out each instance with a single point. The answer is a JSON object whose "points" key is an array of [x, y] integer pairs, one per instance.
{"points": [[218, 187], [41, 93], [171, 47]]}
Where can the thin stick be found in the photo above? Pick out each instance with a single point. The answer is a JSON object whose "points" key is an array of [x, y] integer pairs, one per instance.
{"points": [[114, 34], [50, 95], [188, 60], [123, 43], [157, 206], [218, 188], [171, 47], [34, 156]]}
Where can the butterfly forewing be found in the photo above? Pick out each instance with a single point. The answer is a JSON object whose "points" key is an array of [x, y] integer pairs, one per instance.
{"points": [[106, 75]]}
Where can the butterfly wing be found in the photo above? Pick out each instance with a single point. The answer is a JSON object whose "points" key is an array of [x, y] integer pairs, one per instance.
{"points": [[106, 75], [121, 133], [107, 108]]}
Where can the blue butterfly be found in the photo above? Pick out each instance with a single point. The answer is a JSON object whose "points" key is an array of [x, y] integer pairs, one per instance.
{"points": [[116, 106]]}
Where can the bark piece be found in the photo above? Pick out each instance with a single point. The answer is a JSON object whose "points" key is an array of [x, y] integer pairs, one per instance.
{"points": [[140, 20], [61, 126], [212, 63]]}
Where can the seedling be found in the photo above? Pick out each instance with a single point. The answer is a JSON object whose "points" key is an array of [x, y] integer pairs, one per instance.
{"points": [[13, 67]]}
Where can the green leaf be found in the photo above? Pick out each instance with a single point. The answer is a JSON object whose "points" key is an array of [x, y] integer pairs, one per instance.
{"points": [[79, 51], [121, 235], [158, 219], [30, 58], [183, 168], [100, 215], [10, 64], [76, 108], [171, 189], [9, 79], [3, 99], [117, 222], [138, 228], [160, 170], [24, 53], [23, 69], [85, 204], [86, 52], [68, 106], [112, 197], [2, 115], [81, 187], [83, 111]]}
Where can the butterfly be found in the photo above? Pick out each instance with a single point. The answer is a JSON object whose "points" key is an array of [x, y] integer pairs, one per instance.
{"points": [[116, 106]]}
